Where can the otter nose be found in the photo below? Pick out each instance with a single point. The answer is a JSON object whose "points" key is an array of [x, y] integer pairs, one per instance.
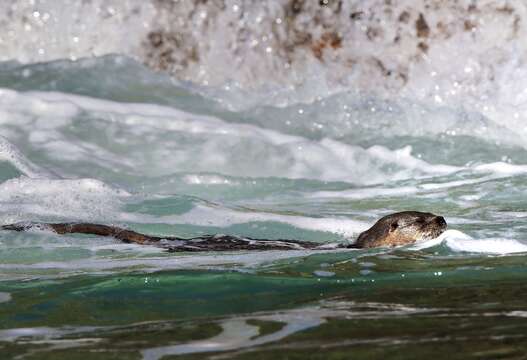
{"points": [[439, 220]]}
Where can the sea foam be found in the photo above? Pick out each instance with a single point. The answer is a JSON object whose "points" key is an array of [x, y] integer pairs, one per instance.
{"points": [[461, 242]]}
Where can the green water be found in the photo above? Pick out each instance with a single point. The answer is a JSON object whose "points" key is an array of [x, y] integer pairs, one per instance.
{"points": [[108, 141], [403, 309]]}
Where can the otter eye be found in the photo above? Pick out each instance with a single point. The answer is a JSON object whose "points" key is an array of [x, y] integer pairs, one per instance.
{"points": [[420, 221], [394, 226]]}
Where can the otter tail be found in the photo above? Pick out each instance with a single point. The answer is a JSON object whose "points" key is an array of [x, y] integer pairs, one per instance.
{"points": [[172, 244]]}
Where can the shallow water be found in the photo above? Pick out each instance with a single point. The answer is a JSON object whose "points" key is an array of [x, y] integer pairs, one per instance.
{"points": [[105, 139]]}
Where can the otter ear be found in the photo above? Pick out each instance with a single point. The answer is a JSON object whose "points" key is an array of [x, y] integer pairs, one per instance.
{"points": [[394, 226]]}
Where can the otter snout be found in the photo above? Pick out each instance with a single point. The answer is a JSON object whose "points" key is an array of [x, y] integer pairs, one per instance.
{"points": [[439, 220], [435, 227]]}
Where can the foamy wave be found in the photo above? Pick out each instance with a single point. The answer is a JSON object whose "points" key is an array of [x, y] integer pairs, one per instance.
{"points": [[10, 154], [461, 242], [502, 168], [86, 199], [158, 140], [491, 172]]}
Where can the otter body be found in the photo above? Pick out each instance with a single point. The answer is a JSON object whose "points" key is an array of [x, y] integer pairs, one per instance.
{"points": [[397, 229]]}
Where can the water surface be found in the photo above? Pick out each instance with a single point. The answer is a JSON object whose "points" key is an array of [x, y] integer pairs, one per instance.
{"points": [[107, 140]]}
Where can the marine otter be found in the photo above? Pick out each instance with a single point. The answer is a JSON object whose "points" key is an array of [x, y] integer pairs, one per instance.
{"points": [[401, 228]]}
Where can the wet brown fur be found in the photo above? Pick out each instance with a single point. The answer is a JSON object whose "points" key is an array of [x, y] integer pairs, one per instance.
{"points": [[392, 230], [402, 228]]}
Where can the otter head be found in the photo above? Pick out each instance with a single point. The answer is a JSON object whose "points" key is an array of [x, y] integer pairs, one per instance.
{"points": [[402, 228]]}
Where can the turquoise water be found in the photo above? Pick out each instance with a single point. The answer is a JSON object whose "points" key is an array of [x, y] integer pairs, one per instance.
{"points": [[107, 140]]}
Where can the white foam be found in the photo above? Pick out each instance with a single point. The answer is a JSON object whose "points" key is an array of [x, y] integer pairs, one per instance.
{"points": [[461, 242], [158, 140], [502, 168], [487, 246], [9, 153], [404, 158], [35, 30], [455, 234], [186, 142], [82, 199]]}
